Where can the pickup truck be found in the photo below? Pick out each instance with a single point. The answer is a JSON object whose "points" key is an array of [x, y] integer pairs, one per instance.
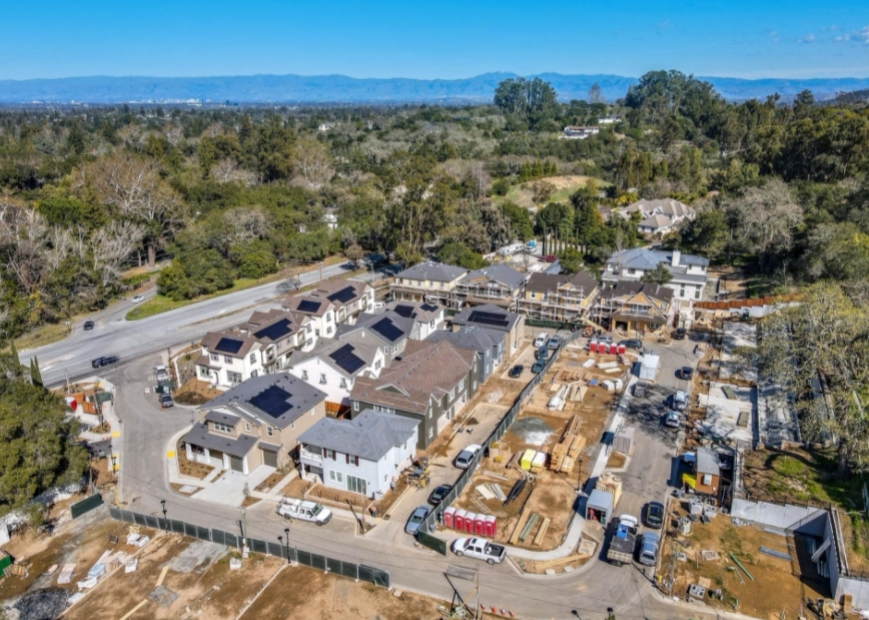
{"points": [[623, 542], [479, 549], [304, 511]]}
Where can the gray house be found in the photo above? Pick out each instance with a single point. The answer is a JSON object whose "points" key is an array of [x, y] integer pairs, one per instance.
{"points": [[390, 330], [430, 382], [488, 344], [496, 284], [492, 317]]}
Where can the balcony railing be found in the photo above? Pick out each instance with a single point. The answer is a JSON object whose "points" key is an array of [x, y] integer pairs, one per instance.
{"points": [[310, 457]]}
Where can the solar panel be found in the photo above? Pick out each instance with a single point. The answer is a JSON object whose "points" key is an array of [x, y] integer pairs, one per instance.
{"points": [[229, 345], [343, 296], [387, 329], [429, 307], [405, 311], [273, 401], [307, 305], [489, 318], [346, 359], [275, 331]]}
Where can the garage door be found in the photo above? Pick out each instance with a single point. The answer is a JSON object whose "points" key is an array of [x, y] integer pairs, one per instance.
{"points": [[270, 458], [235, 463]]}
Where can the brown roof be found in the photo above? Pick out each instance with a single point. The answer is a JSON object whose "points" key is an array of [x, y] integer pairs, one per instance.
{"points": [[292, 303], [631, 288], [545, 283], [424, 370], [211, 340], [582, 280], [325, 290]]}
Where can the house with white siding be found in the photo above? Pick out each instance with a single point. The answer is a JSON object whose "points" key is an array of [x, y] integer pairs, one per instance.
{"points": [[688, 272]]}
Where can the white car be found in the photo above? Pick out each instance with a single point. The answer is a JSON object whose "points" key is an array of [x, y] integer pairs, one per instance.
{"points": [[673, 419], [540, 340], [463, 460], [680, 400], [137, 299], [479, 549]]}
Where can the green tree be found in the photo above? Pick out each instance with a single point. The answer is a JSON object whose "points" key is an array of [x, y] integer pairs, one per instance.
{"points": [[521, 226], [455, 253], [570, 260], [659, 275], [706, 234]]}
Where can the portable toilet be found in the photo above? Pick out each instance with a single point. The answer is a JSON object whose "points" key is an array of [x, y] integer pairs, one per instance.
{"points": [[592, 346], [622, 349], [526, 459], [468, 522], [480, 525], [599, 506], [449, 517], [459, 519], [491, 526]]}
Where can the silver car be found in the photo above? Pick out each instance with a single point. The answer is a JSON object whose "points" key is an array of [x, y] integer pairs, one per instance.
{"points": [[416, 520]]}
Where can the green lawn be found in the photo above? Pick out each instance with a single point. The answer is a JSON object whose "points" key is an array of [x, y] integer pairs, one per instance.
{"points": [[522, 194], [160, 304]]}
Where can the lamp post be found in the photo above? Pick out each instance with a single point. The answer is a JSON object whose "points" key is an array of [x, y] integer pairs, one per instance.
{"points": [[287, 532], [163, 505]]}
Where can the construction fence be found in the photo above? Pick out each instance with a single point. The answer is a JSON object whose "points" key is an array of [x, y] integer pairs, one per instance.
{"points": [[359, 572], [431, 521]]}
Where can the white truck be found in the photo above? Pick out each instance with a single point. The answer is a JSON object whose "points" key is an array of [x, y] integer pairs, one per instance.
{"points": [[479, 549], [304, 511]]}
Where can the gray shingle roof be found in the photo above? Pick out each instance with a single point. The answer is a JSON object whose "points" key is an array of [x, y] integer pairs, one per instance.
{"points": [[370, 435], [502, 274], [199, 436], [430, 270], [369, 321], [707, 462], [645, 259], [465, 316], [473, 338], [240, 399]]}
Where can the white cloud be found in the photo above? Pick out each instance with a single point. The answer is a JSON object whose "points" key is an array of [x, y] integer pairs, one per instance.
{"points": [[861, 35], [809, 38], [842, 38]]}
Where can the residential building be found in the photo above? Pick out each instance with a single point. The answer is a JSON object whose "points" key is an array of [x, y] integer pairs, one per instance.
{"points": [[488, 344], [333, 302], [658, 217], [363, 455], [573, 132], [255, 423], [389, 330], [427, 318], [609, 120], [494, 317], [688, 271], [431, 383], [262, 345], [634, 306], [334, 366], [496, 284], [558, 297], [427, 281]]}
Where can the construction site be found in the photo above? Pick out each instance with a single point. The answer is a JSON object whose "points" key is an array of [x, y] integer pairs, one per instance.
{"points": [[529, 480]]}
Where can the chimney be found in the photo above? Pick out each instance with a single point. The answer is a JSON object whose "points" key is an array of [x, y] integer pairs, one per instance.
{"points": [[677, 256]]}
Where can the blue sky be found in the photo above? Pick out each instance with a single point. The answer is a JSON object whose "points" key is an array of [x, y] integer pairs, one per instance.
{"points": [[445, 39]]}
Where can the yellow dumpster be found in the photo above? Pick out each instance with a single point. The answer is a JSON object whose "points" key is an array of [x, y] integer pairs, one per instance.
{"points": [[526, 459], [538, 462]]}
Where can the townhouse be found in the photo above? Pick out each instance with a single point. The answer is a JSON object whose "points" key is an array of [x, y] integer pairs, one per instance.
{"points": [[558, 297], [487, 344], [496, 284], [430, 384], [688, 272], [389, 330], [495, 318], [427, 281], [634, 307], [255, 423]]}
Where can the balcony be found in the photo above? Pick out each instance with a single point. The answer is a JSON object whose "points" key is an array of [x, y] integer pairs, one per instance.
{"points": [[310, 458]]}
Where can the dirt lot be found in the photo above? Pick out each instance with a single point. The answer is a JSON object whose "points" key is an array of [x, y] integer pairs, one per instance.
{"points": [[186, 467], [778, 584]]}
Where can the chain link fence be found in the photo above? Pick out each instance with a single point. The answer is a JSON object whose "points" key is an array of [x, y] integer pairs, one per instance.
{"points": [[360, 572], [431, 521]]}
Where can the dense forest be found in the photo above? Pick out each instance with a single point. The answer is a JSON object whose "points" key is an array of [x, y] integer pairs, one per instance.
{"points": [[211, 195]]}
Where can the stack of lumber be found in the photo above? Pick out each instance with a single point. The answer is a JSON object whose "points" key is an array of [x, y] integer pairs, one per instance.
{"points": [[566, 451]]}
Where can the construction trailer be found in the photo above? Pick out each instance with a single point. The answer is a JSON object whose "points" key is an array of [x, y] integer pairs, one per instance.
{"points": [[599, 506]]}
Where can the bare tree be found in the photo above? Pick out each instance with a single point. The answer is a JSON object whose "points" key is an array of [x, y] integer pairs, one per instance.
{"points": [[769, 215], [228, 171], [312, 163], [244, 225], [111, 245]]}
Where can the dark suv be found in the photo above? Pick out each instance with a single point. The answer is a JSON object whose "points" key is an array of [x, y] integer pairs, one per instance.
{"points": [[88, 325], [104, 361]]}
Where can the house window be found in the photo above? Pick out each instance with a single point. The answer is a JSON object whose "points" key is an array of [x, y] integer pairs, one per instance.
{"points": [[203, 372], [377, 365], [632, 271], [697, 294], [269, 431], [430, 433], [352, 460], [322, 379], [253, 358], [227, 359], [221, 428], [293, 425], [233, 377], [355, 405], [343, 382], [357, 485], [682, 292], [336, 476], [215, 357], [329, 454], [304, 375], [328, 330], [247, 427]]}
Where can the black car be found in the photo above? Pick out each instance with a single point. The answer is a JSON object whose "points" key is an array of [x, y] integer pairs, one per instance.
{"points": [[104, 361], [653, 515], [437, 496], [166, 401], [679, 334], [88, 325], [686, 372], [636, 345], [516, 371]]}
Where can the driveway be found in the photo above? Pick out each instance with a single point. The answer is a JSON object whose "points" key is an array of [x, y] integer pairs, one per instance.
{"points": [[228, 489]]}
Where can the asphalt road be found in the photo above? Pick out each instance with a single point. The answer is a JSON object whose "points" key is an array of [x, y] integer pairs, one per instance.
{"points": [[114, 335]]}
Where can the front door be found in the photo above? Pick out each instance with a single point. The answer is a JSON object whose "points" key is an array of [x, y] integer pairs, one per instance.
{"points": [[270, 458], [235, 463]]}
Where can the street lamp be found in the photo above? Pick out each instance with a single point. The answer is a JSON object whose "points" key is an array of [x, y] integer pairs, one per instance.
{"points": [[287, 532], [163, 504]]}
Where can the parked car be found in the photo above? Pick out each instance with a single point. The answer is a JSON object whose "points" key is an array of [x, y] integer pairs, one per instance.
{"points": [[632, 343], [554, 342], [653, 515], [539, 341], [542, 354], [463, 460], [549, 258], [88, 325], [686, 372], [479, 549], [290, 508], [516, 371], [161, 373], [104, 361], [679, 334], [166, 401], [416, 519], [679, 400], [673, 419], [537, 367], [137, 299], [649, 548], [437, 496]]}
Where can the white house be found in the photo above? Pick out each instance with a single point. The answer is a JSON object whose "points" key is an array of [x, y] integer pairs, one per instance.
{"points": [[427, 318], [334, 366], [363, 455], [573, 132], [334, 302], [688, 271], [658, 217], [609, 120]]}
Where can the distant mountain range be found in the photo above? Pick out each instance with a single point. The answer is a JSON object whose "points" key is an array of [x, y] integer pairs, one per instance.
{"points": [[339, 89]]}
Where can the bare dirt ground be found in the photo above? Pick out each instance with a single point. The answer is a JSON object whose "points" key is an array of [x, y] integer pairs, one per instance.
{"points": [[778, 584], [190, 468]]}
